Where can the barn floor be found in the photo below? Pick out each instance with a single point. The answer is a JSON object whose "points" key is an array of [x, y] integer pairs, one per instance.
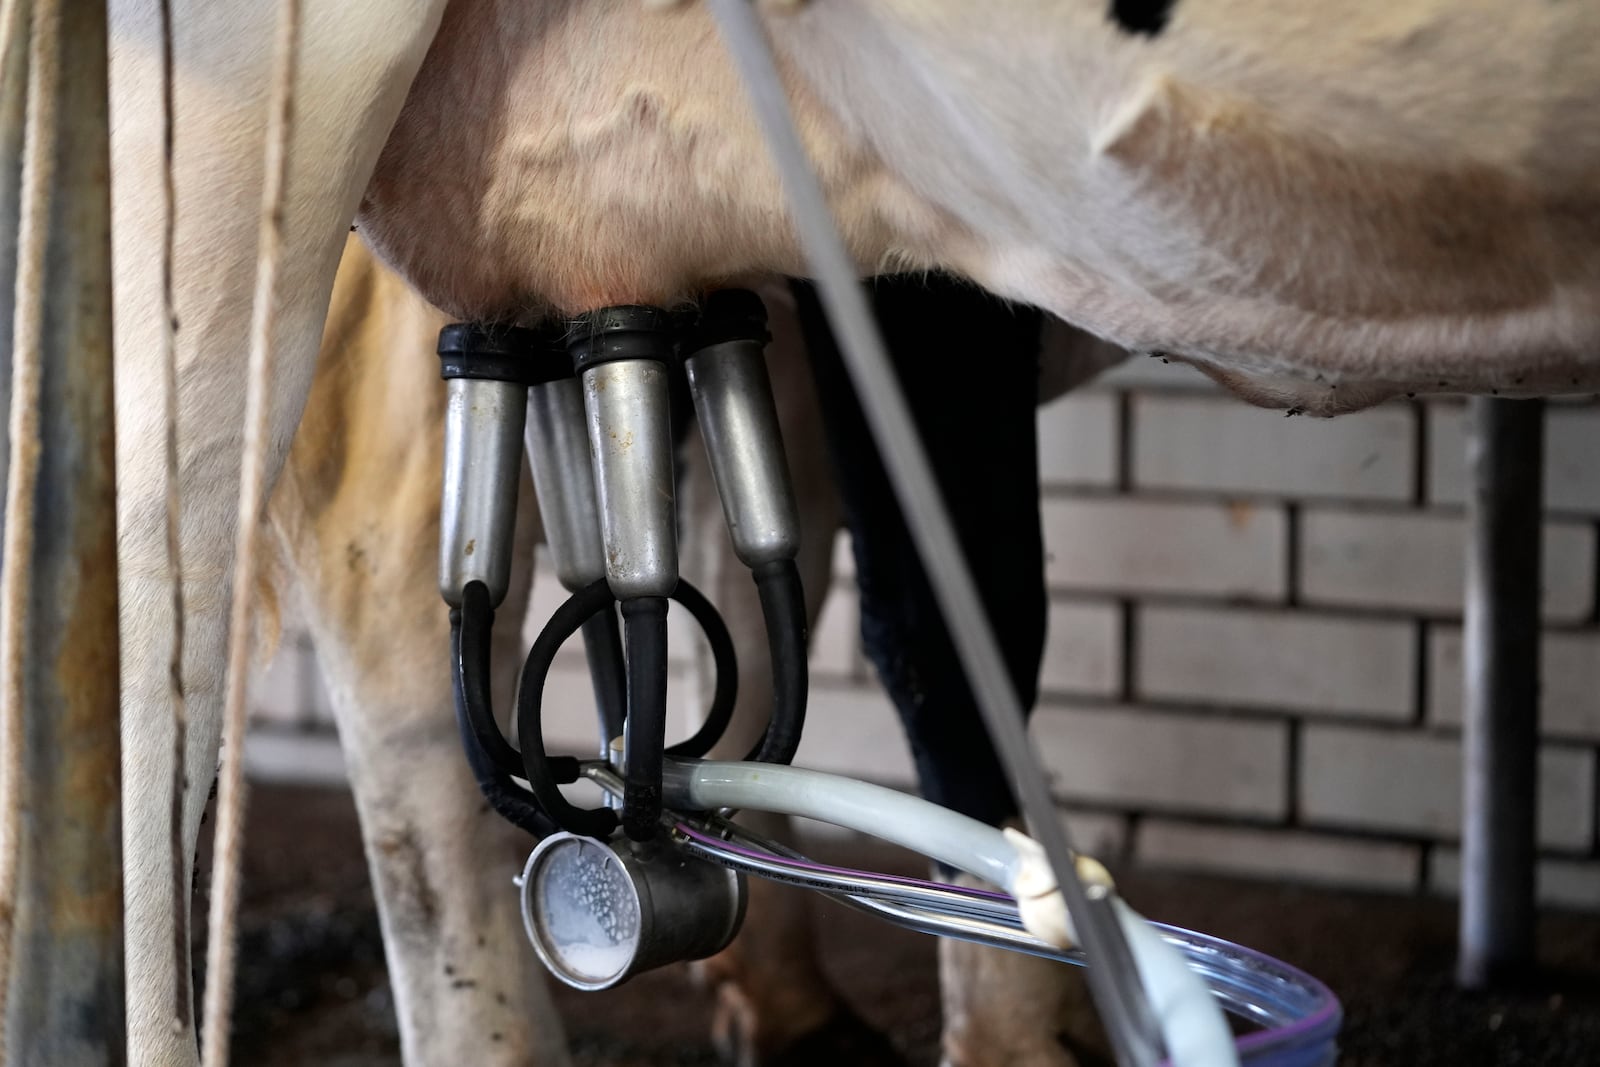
{"points": [[313, 989]]}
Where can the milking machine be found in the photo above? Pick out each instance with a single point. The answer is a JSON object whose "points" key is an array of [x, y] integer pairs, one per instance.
{"points": [[656, 874]]}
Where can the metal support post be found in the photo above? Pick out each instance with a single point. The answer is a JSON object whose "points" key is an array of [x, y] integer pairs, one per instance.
{"points": [[65, 1004], [1500, 661]]}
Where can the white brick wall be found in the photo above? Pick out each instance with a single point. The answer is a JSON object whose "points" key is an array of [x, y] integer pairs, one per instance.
{"points": [[1083, 650], [1414, 561], [1253, 663], [1161, 761], [1291, 854], [1411, 783], [1212, 444], [1126, 545], [1078, 440], [1276, 659]]}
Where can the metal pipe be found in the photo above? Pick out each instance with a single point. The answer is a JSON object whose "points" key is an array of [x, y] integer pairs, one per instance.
{"points": [[1500, 717], [66, 981]]}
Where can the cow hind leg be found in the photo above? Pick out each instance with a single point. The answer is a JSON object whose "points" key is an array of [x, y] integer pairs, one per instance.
{"points": [[356, 61], [977, 420]]}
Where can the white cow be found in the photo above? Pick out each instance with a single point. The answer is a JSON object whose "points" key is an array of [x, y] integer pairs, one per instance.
{"points": [[1321, 205]]}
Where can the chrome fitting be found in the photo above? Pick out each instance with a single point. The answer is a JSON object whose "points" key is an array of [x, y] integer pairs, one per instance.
{"points": [[486, 404], [732, 393], [563, 477], [621, 354]]}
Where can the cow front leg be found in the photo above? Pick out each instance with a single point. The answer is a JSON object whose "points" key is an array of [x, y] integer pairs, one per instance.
{"points": [[355, 63], [362, 540], [466, 984]]}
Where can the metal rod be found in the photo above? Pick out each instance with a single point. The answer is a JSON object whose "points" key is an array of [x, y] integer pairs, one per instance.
{"points": [[1500, 662], [1114, 980], [66, 989]]}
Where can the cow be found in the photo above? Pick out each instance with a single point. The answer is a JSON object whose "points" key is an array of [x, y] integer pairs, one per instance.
{"points": [[1321, 207]]}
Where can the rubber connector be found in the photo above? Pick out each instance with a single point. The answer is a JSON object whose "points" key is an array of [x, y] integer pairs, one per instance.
{"points": [[783, 609], [503, 353], [627, 331], [727, 315]]}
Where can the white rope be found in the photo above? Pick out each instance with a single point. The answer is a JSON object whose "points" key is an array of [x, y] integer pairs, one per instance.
{"points": [[27, 337], [183, 1002], [221, 945]]}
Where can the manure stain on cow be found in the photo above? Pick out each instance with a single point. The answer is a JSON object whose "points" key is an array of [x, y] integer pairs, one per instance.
{"points": [[1146, 17], [416, 903]]}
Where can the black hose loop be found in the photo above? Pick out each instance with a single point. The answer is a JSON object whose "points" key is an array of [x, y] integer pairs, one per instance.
{"points": [[510, 800], [783, 609], [644, 627], [495, 761], [568, 618]]}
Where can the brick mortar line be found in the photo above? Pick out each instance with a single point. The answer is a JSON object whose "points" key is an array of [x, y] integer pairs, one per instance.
{"points": [[1128, 633], [1422, 682], [1122, 434], [1420, 441], [1221, 497], [1277, 604], [1291, 814]]}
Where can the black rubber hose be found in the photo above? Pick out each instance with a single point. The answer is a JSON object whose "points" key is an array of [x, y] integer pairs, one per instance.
{"points": [[494, 760], [511, 801], [644, 627], [543, 773], [602, 645], [469, 630], [783, 609], [726, 693]]}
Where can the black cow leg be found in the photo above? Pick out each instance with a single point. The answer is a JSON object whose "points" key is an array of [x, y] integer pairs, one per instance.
{"points": [[969, 364]]}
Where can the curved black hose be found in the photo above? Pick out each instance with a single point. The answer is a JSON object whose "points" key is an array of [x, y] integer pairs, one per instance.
{"points": [[644, 626], [726, 693], [494, 761], [602, 646], [507, 798], [537, 766], [783, 609], [469, 635]]}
